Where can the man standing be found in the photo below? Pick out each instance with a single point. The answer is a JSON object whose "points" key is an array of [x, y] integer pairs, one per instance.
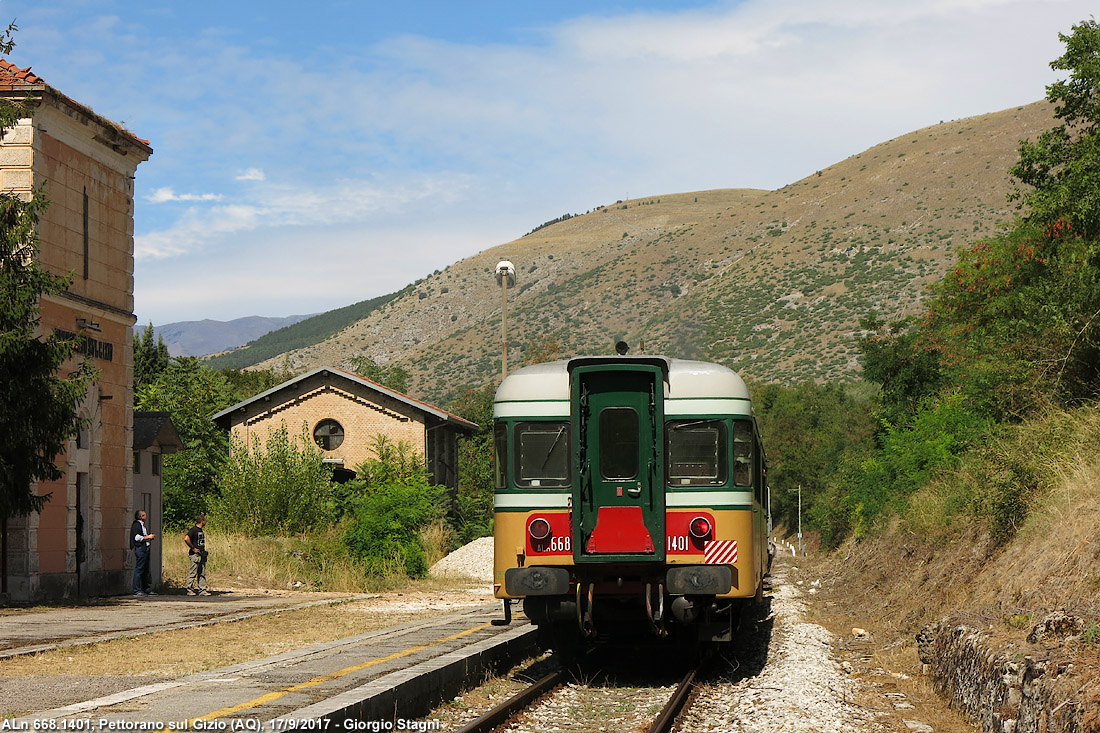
{"points": [[195, 539], [139, 543]]}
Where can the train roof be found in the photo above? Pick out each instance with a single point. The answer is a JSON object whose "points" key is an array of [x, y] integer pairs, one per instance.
{"points": [[685, 379]]}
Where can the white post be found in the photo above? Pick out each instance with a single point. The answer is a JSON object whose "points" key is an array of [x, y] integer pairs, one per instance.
{"points": [[801, 547], [503, 327]]}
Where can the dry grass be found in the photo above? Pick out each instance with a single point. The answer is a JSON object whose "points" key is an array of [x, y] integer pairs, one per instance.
{"points": [[307, 562], [435, 539]]}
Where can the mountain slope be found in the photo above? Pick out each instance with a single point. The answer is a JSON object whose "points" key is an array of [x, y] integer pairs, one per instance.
{"points": [[198, 338], [306, 331], [772, 283]]}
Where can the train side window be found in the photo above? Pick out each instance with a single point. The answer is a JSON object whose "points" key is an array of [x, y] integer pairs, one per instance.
{"points": [[619, 443], [542, 454], [500, 452], [742, 452], [697, 452]]}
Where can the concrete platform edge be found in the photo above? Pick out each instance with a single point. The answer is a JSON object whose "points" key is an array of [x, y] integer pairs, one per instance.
{"points": [[414, 691]]}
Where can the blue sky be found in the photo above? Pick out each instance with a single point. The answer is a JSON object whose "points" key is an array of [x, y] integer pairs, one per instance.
{"points": [[311, 155]]}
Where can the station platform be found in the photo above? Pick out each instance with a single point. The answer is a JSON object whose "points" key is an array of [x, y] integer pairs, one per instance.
{"points": [[355, 681]]}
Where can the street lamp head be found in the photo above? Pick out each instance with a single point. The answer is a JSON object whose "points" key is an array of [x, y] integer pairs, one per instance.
{"points": [[506, 274]]}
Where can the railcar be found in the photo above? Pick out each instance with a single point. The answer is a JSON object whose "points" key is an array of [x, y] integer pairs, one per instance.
{"points": [[631, 498]]}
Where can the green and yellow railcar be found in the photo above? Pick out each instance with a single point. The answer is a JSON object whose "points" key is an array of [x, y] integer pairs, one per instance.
{"points": [[631, 497]]}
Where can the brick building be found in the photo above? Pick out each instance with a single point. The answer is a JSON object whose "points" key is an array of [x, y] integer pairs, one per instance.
{"points": [[343, 412], [77, 545]]}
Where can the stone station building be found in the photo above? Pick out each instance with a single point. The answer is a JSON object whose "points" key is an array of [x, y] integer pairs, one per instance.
{"points": [[78, 545], [343, 413]]}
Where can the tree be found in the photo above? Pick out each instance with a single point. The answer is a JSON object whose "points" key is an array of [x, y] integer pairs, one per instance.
{"points": [[192, 394], [472, 513], [150, 359], [280, 486], [389, 506], [1062, 168], [393, 376], [38, 402]]}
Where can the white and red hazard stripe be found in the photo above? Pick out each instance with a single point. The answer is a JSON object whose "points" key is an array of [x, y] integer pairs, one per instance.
{"points": [[720, 552]]}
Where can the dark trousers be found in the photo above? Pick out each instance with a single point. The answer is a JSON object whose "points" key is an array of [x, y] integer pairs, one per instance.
{"points": [[143, 579]]}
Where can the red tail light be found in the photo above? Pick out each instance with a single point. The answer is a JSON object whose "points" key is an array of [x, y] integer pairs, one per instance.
{"points": [[539, 528], [699, 527]]}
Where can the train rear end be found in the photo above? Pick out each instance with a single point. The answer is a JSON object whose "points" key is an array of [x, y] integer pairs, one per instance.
{"points": [[631, 498]]}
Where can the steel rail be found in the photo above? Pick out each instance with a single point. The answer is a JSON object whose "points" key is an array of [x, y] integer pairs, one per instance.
{"points": [[501, 713], [675, 704]]}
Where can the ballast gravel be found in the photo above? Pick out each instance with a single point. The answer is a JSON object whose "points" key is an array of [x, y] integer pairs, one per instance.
{"points": [[800, 688]]}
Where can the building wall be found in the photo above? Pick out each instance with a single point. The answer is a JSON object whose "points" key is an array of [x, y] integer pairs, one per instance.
{"points": [[363, 414], [77, 545]]}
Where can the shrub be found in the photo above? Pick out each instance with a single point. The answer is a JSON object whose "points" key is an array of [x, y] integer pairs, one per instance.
{"points": [[281, 487], [386, 523], [389, 506]]}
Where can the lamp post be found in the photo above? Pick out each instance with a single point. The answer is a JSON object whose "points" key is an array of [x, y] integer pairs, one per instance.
{"points": [[506, 278]]}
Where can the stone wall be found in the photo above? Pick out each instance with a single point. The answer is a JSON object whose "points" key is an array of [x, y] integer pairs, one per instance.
{"points": [[1009, 689]]}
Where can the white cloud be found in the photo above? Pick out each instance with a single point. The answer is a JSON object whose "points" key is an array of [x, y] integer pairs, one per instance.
{"points": [[252, 174], [282, 207], [165, 193]]}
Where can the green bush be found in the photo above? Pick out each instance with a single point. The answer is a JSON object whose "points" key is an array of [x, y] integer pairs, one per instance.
{"points": [[907, 458], [280, 487], [385, 528], [388, 506]]}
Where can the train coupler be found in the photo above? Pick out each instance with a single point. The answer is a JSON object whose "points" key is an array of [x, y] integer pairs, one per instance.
{"points": [[656, 620]]}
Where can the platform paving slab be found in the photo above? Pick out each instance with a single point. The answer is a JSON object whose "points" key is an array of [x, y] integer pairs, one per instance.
{"points": [[280, 687]]}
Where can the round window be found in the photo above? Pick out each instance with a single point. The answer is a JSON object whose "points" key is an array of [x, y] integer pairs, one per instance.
{"points": [[329, 434]]}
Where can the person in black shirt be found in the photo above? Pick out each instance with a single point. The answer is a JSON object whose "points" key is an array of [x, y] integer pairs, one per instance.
{"points": [[139, 543], [195, 539]]}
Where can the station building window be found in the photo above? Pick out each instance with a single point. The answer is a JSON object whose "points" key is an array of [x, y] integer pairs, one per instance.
{"points": [[329, 434]]}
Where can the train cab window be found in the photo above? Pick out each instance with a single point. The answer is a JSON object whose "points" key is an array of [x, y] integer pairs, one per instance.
{"points": [[697, 452], [500, 451], [619, 443], [743, 441], [542, 454]]}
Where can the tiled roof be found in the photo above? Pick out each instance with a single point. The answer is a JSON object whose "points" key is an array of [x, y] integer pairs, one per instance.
{"points": [[13, 78]]}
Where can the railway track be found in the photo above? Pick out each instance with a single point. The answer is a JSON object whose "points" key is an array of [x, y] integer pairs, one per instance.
{"points": [[538, 706]]}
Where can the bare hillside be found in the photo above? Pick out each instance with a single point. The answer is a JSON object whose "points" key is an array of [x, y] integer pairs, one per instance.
{"points": [[772, 283]]}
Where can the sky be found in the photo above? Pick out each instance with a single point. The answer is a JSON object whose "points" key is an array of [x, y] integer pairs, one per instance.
{"points": [[311, 155]]}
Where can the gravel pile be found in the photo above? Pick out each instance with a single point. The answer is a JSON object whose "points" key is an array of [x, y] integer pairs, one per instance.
{"points": [[474, 561]]}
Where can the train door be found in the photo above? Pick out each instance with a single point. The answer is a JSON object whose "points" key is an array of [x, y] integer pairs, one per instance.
{"points": [[619, 501]]}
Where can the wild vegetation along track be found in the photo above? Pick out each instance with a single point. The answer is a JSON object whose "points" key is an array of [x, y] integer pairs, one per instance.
{"points": [[555, 704]]}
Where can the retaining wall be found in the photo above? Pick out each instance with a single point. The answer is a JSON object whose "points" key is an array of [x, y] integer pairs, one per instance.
{"points": [[1008, 690]]}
